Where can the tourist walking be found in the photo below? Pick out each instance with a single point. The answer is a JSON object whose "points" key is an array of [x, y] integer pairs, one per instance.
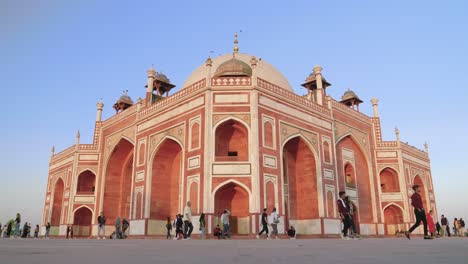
{"points": [[202, 224], [343, 209], [101, 226], [47, 230], [438, 229], [9, 229], [419, 213], [25, 230], [352, 212], [226, 225], [456, 227], [264, 221], [36, 231], [17, 225], [188, 226], [117, 223], [430, 223], [444, 223], [274, 220], [68, 231], [179, 226], [168, 228], [462, 227]]}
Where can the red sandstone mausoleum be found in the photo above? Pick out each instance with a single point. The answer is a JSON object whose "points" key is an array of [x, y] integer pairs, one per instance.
{"points": [[236, 136]]}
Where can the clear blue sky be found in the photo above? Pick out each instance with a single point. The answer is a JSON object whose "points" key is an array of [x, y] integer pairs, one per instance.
{"points": [[57, 58]]}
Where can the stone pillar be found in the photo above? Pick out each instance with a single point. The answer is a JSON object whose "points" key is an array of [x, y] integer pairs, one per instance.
{"points": [[208, 63], [375, 108], [100, 106], [77, 140], [397, 133], [426, 148], [149, 90], [318, 78], [253, 64], [52, 151]]}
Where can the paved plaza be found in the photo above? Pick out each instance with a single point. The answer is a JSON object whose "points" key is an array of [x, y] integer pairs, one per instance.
{"points": [[390, 250]]}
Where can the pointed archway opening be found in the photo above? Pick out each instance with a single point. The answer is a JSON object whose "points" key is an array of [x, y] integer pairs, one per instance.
{"points": [[231, 142], [86, 183], [300, 182], [389, 181], [393, 219], [57, 203], [117, 186], [349, 152], [165, 182], [82, 222], [418, 181], [236, 199]]}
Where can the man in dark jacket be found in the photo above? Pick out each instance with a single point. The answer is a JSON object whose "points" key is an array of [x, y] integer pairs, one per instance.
{"points": [[101, 226], [343, 209], [420, 214], [444, 223]]}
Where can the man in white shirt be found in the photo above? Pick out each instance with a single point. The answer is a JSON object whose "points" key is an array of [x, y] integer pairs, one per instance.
{"points": [[225, 221], [188, 227], [274, 220]]}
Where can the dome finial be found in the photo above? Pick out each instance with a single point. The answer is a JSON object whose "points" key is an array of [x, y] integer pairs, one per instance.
{"points": [[236, 42]]}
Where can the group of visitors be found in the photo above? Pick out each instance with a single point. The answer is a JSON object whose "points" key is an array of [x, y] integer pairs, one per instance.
{"points": [[13, 229], [273, 221], [347, 209], [121, 227], [458, 227], [183, 225]]}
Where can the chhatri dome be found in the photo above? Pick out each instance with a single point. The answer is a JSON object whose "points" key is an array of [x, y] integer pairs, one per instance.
{"points": [[238, 64]]}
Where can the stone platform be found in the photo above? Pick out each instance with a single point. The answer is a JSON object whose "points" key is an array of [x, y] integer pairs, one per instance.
{"points": [[371, 250]]}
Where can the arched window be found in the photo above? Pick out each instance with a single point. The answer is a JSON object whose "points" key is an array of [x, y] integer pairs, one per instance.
{"points": [[350, 176], [232, 142], [268, 134], [86, 182], [389, 181], [195, 136], [326, 152]]}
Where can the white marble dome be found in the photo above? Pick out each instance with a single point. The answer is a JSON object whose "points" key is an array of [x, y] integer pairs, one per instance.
{"points": [[264, 70]]}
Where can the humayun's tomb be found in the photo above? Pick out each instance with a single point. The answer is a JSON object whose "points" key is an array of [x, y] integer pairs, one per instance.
{"points": [[236, 136]]}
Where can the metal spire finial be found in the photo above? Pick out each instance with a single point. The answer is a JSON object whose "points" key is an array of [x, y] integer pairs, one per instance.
{"points": [[236, 42]]}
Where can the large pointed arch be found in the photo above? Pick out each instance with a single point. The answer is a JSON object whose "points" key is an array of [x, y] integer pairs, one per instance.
{"points": [[236, 198], [366, 211], [117, 183], [82, 220], [164, 193], [311, 205], [57, 204], [393, 218]]}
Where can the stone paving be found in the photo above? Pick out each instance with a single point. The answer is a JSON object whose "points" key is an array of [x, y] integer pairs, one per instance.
{"points": [[372, 250]]}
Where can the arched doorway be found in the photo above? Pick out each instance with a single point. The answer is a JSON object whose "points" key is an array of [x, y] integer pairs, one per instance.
{"points": [[117, 187], [231, 142], [236, 199], [349, 152], [165, 183], [58, 203], [300, 182], [418, 181], [389, 180], [86, 183], [393, 218], [82, 222]]}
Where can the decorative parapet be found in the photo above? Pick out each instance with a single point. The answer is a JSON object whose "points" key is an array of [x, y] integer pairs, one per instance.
{"points": [[351, 112], [293, 97], [180, 95], [63, 154], [87, 147], [387, 144], [231, 81], [118, 117], [415, 151]]}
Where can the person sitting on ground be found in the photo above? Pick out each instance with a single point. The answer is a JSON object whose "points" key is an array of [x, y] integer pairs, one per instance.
{"points": [[292, 233], [217, 232], [125, 225]]}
